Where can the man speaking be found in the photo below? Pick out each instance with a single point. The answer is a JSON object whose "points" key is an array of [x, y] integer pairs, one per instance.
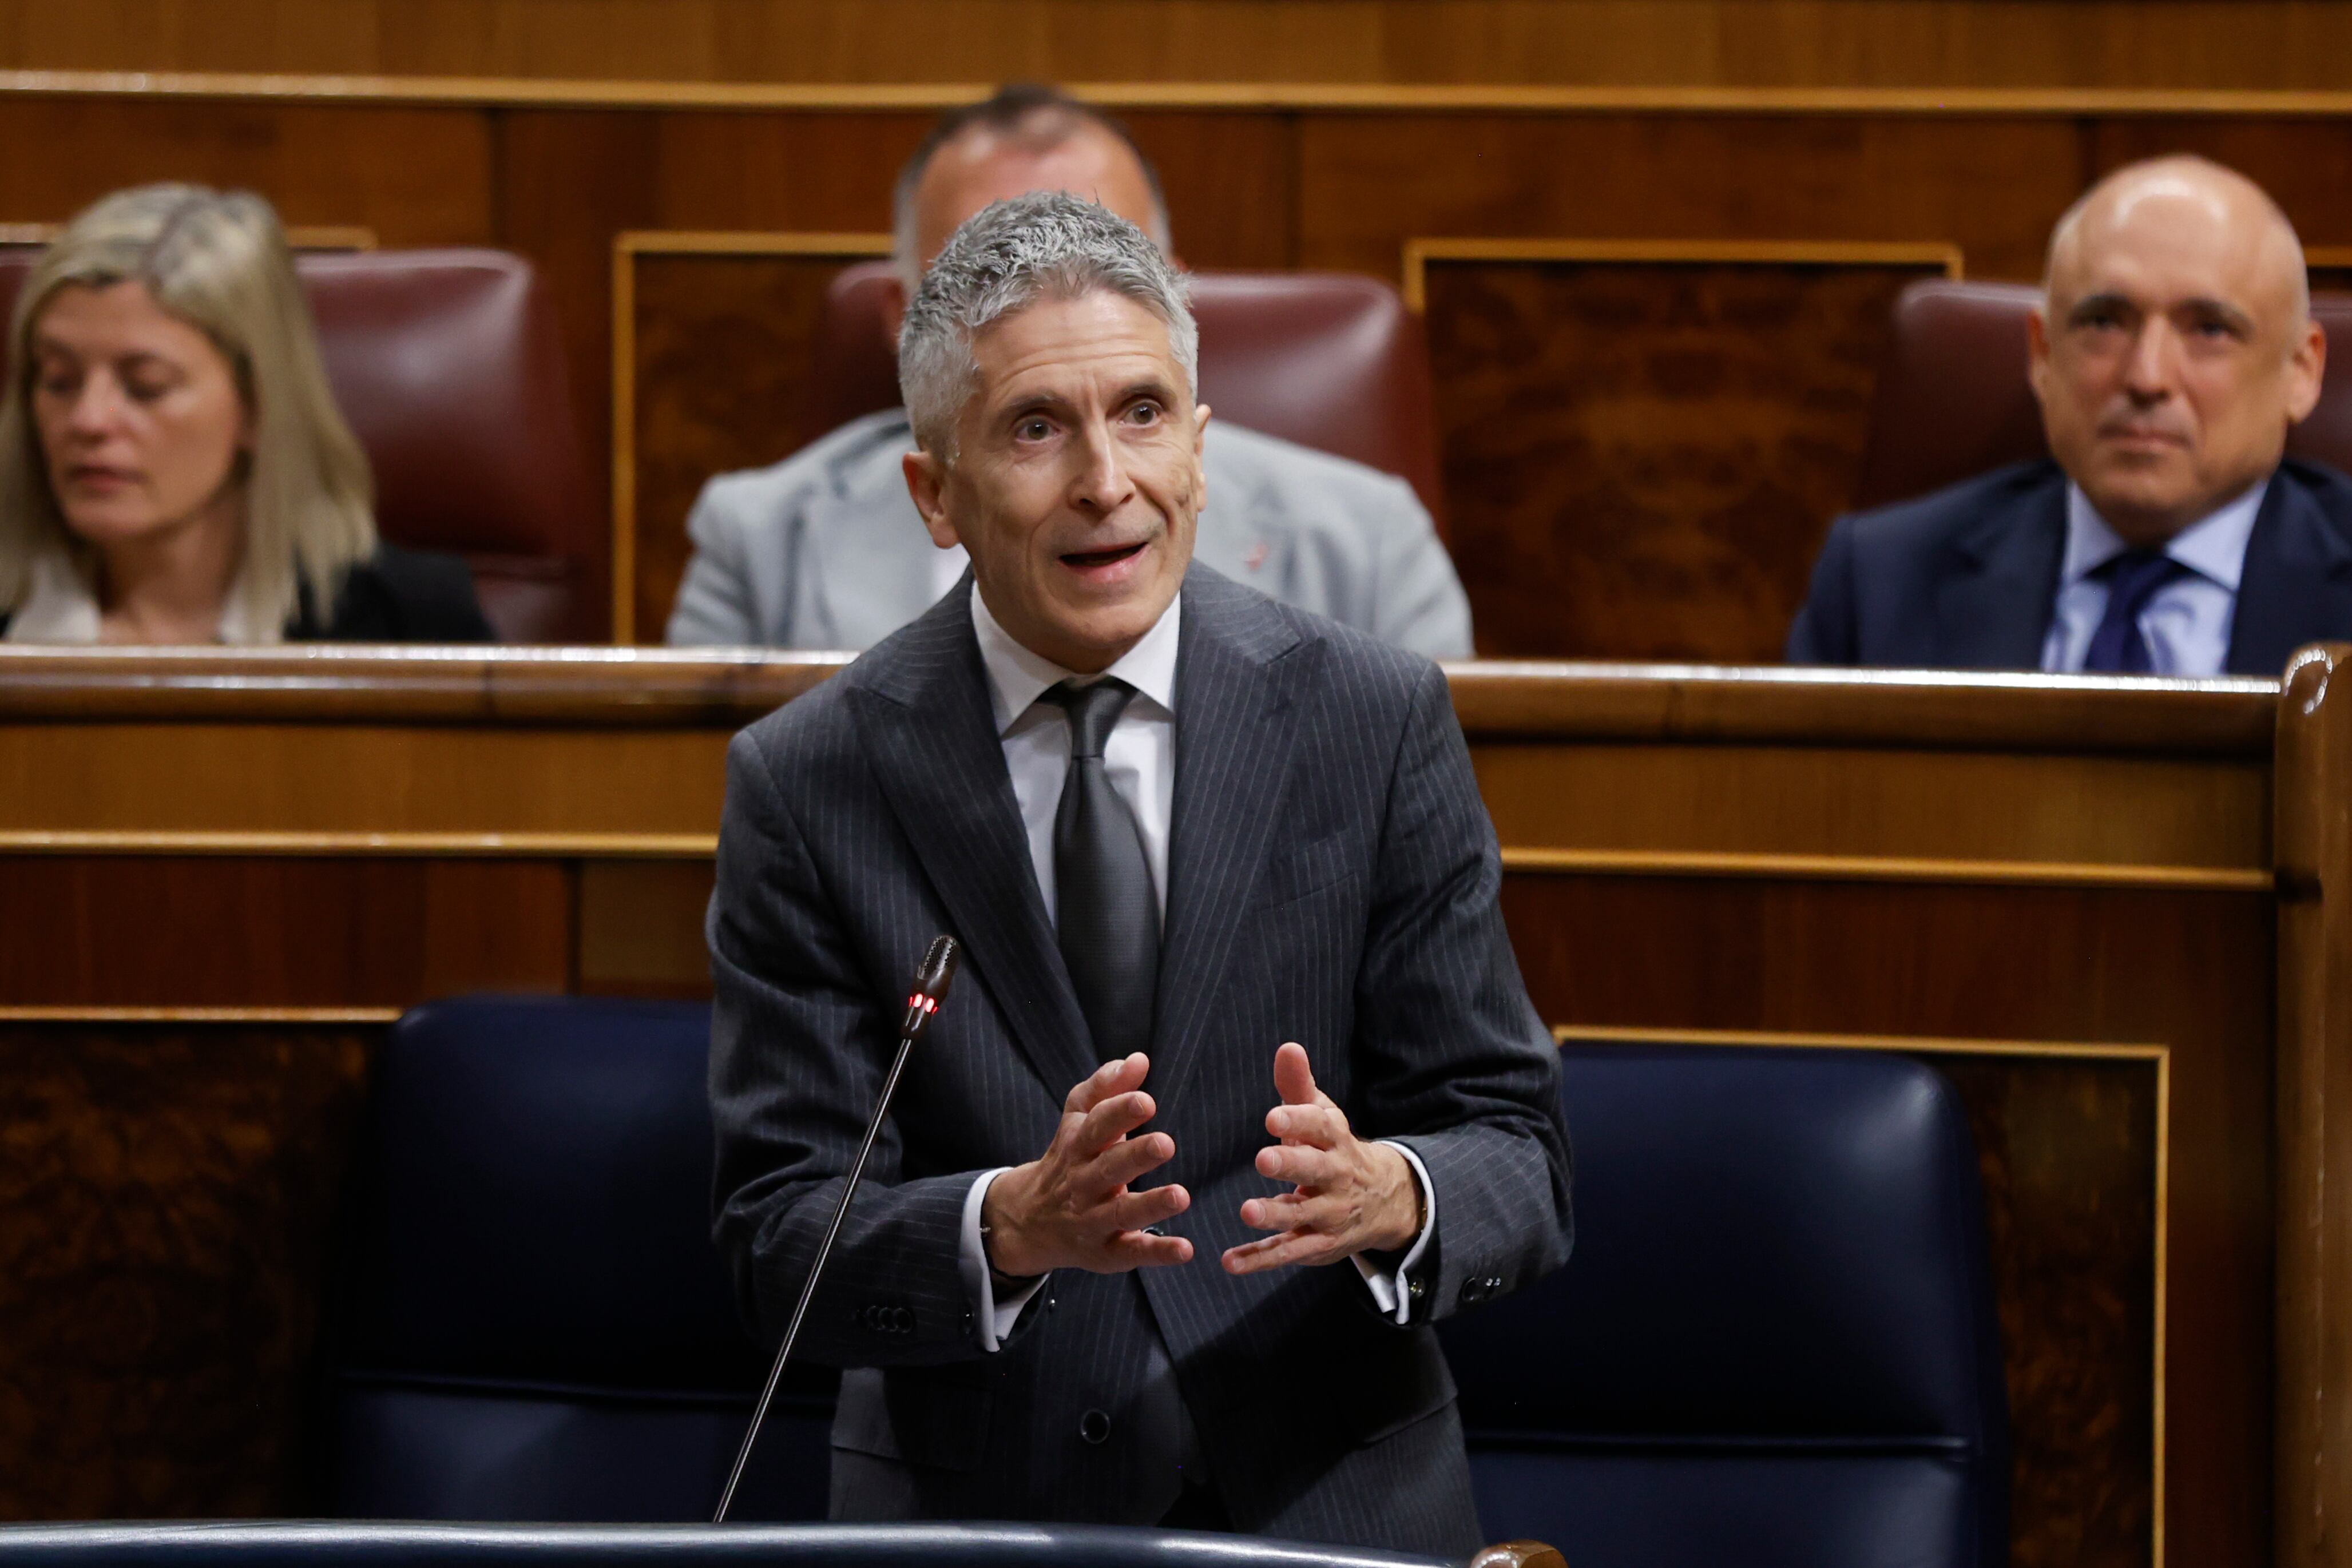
{"points": [[1227, 897]]}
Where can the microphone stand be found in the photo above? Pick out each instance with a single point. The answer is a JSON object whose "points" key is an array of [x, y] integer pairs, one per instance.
{"points": [[930, 989]]}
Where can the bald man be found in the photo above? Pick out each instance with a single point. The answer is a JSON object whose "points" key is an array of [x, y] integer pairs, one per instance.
{"points": [[2168, 535], [825, 549]]}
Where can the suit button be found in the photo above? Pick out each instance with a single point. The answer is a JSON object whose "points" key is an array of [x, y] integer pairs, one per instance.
{"points": [[1095, 1427]]}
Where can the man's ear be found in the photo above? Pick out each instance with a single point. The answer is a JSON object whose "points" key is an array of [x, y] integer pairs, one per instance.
{"points": [[894, 310], [927, 482], [2308, 367], [1200, 426], [2037, 353]]}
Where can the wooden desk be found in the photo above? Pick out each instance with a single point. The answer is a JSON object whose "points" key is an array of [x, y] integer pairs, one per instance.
{"points": [[221, 873]]}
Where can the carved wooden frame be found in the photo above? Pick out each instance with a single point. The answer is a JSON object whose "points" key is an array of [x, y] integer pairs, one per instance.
{"points": [[628, 246], [1420, 252]]}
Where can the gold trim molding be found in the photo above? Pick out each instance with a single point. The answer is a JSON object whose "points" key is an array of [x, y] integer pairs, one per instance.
{"points": [[627, 247], [1420, 252], [1886, 868], [528, 92]]}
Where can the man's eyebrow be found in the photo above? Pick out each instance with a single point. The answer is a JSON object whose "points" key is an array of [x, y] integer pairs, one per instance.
{"points": [[2237, 320], [1034, 402], [2094, 304]]}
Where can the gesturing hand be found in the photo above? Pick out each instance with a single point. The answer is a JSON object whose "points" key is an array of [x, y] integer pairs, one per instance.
{"points": [[1070, 1208], [1349, 1195]]}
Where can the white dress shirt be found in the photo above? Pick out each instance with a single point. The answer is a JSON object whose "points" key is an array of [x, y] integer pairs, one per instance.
{"points": [[1139, 755], [2186, 622], [59, 608]]}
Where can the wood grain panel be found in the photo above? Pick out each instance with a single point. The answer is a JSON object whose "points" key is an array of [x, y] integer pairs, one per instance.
{"points": [[1642, 458], [2067, 1151], [1991, 184], [247, 931], [362, 778], [641, 927], [410, 176], [1824, 800], [569, 182], [2189, 971], [2303, 163], [163, 1213], [2315, 1114], [2251, 43], [720, 382]]}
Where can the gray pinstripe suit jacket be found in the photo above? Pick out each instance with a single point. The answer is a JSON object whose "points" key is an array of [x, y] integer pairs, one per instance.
{"points": [[1333, 880]]}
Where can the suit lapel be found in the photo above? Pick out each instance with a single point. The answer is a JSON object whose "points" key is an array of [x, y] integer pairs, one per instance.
{"points": [[2296, 586], [1995, 598], [1232, 760], [927, 721]]}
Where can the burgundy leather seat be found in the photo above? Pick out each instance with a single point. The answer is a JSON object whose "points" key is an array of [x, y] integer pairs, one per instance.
{"points": [[1328, 359], [1952, 398], [449, 367]]}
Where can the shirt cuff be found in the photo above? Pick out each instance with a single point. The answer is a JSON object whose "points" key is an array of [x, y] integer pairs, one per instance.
{"points": [[991, 1320], [1390, 1291]]}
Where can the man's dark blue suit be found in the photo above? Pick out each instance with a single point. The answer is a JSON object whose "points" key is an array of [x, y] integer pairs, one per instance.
{"points": [[1332, 880], [1967, 578]]}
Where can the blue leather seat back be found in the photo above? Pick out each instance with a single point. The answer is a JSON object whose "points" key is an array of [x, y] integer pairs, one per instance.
{"points": [[1776, 1340], [533, 1324]]}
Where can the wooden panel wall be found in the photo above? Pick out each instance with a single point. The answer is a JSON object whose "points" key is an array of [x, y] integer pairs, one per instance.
{"points": [[1642, 450], [2313, 1455], [2060, 896], [163, 1223], [712, 374], [1604, 503], [1273, 181], [1868, 43]]}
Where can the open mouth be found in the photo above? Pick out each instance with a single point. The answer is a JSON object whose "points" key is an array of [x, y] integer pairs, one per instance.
{"points": [[1086, 560]]}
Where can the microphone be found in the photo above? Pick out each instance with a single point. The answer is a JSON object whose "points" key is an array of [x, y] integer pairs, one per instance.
{"points": [[929, 989]]}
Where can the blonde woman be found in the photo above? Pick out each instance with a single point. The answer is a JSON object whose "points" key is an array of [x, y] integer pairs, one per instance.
{"points": [[173, 467]]}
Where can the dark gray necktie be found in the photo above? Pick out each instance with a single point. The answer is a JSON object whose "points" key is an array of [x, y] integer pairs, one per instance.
{"points": [[1104, 903], [2135, 577]]}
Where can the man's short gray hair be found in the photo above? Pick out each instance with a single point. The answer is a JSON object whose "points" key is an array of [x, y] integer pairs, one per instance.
{"points": [[1006, 257]]}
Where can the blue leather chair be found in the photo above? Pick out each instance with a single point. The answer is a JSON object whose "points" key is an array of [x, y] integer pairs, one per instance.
{"points": [[1775, 1343], [531, 1323]]}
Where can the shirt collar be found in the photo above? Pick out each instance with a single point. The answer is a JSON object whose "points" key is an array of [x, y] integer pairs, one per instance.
{"points": [[1018, 677], [2214, 547], [59, 608]]}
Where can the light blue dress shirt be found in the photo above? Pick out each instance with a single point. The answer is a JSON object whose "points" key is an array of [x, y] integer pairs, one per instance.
{"points": [[2186, 622]]}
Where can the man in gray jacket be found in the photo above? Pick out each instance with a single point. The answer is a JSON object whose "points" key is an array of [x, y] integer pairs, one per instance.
{"points": [[825, 549]]}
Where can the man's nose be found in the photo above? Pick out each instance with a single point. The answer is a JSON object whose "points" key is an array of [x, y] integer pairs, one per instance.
{"points": [[1103, 484], [2149, 373]]}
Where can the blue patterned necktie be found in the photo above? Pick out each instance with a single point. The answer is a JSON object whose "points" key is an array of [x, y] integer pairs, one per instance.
{"points": [[2135, 577], [1105, 906]]}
